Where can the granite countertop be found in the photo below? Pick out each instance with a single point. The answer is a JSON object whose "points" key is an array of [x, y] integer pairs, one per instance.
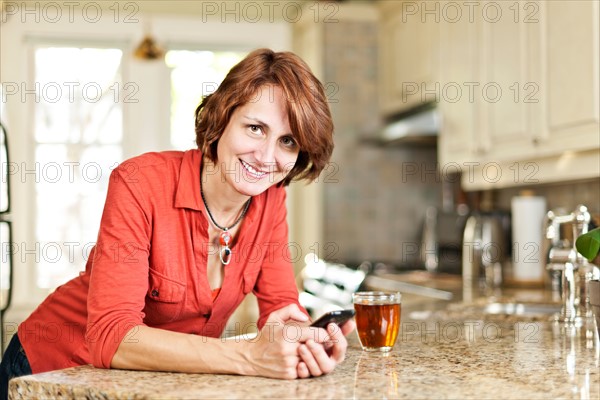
{"points": [[452, 354]]}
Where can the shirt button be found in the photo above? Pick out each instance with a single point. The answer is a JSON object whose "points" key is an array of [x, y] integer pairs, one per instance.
{"points": [[154, 293]]}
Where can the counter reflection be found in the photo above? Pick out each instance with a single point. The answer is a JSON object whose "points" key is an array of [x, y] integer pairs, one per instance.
{"points": [[376, 374], [579, 347]]}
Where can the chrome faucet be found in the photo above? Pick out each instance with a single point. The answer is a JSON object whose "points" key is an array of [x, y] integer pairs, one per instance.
{"points": [[586, 270], [559, 252], [569, 271]]}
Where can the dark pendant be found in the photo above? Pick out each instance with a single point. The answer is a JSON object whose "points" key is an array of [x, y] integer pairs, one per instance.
{"points": [[225, 255]]}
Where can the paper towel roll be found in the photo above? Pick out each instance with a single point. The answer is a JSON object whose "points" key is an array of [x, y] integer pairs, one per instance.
{"points": [[527, 219]]}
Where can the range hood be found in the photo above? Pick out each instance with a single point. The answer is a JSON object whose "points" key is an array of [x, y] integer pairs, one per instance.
{"points": [[417, 127]]}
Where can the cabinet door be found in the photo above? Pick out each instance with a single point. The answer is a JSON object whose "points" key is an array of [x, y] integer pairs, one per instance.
{"points": [[509, 96], [408, 57], [569, 76], [458, 50]]}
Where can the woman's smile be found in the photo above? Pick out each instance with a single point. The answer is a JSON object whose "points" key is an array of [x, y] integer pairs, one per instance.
{"points": [[253, 172], [257, 149]]}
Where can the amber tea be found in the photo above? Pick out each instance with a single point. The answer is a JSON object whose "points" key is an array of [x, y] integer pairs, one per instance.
{"points": [[377, 319]]}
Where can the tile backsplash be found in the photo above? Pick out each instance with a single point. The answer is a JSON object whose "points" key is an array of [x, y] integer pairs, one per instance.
{"points": [[559, 195], [374, 197]]}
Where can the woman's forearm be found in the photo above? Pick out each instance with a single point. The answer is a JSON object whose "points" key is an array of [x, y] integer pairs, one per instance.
{"points": [[146, 348], [275, 352]]}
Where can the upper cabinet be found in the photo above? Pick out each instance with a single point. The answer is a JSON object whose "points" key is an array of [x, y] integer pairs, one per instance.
{"points": [[527, 108], [458, 49], [409, 56], [508, 91], [569, 46]]}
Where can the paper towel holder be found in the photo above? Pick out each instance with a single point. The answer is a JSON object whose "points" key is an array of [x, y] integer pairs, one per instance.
{"points": [[527, 213]]}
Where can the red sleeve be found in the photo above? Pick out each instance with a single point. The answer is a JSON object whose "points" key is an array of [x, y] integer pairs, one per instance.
{"points": [[276, 286], [119, 266]]}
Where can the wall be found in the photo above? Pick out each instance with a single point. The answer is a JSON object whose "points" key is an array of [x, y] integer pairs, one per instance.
{"points": [[372, 201]]}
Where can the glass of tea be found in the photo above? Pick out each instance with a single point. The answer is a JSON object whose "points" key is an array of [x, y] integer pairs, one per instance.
{"points": [[377, 319]]}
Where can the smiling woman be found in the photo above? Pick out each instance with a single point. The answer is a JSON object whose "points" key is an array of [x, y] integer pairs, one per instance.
{"points": [[184, 236], [255, 79], [257, 145]]}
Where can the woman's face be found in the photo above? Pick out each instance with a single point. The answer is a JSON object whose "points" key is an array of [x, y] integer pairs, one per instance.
{"points": [[257, 148]]}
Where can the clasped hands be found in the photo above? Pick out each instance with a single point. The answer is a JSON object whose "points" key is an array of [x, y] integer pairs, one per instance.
{"points": [[288, 348]]}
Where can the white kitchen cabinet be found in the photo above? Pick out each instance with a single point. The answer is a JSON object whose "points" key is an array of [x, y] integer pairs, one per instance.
{"points": [[569, 45], [409, 53], [508, 92], [533, 114], [458, 143]]}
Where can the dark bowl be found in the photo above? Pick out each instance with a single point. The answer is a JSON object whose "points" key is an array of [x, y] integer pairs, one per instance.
{"points": [[595, 301]]}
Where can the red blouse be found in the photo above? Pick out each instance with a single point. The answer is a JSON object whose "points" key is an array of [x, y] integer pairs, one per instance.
{"points": [[149, 267]]}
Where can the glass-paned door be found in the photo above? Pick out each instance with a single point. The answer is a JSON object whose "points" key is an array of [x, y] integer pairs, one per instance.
{"points": [[78, 131]]}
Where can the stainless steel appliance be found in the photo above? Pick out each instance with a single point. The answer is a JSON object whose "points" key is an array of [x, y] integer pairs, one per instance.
{"points": [[441, 247], [486, 246], [441, 244], [418, 126]]}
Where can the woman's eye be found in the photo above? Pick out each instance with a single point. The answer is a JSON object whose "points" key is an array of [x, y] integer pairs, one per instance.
{"points": [[288, 141], [255, 129]]}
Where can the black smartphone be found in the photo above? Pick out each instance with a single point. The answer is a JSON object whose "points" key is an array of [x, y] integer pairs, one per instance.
{"points": [[338, 317]]}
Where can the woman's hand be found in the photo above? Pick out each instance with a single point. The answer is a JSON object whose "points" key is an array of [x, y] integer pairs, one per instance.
{"points": [[287, 349], [274, 351], [322, 358]]}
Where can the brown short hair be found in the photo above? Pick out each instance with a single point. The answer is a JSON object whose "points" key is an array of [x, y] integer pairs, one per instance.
{"points": [[308, 113]]}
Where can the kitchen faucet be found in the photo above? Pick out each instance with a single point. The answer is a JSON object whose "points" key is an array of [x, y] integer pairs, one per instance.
{"points": [[570, 272]]}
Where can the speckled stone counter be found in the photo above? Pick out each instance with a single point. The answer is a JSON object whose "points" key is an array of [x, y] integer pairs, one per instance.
{"points": [[453, 354]]}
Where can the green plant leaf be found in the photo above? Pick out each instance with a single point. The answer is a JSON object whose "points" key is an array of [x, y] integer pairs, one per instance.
{"points": [[588, 244]]}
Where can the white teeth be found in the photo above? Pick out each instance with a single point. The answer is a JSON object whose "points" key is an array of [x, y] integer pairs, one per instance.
{"points": [[252, 170]]}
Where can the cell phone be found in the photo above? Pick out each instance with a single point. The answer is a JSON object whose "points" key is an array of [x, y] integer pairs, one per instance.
{"points": [[338, 317]]}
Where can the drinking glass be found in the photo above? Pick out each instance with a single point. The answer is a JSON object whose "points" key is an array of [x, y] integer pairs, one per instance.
{"points": [[377, 319]]}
